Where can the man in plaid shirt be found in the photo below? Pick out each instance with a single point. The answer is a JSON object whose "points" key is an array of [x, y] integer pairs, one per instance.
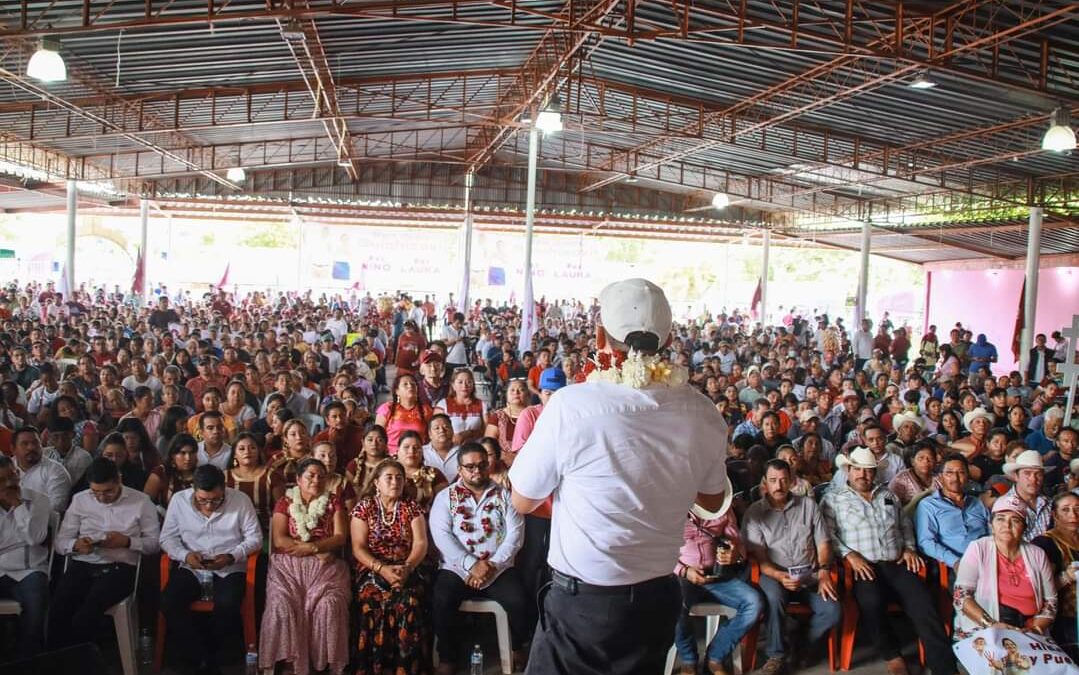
{"points": [[871, 533]]}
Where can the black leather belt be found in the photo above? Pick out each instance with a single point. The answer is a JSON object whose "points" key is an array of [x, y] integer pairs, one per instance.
{"points": [[574, 586]]}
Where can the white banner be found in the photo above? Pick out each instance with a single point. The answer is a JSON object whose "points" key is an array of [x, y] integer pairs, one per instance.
{"points": [[994, 651]]}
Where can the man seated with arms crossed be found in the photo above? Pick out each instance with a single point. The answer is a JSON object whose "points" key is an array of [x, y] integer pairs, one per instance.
{"points": [[787, 536], [104, 531], [870, 531], [24, 555], [947, 520], [209, 530]]}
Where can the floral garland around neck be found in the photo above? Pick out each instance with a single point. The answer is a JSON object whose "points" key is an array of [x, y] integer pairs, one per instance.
{"points": [[306, 517], [638, 370], [489, 513]]}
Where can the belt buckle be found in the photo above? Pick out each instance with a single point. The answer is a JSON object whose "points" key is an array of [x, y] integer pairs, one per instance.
{"points": [[565, 582]]}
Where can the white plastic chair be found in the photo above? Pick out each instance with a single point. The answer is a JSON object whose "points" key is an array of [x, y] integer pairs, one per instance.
{"points": [[502, 628], [125, 619], [712, 612], [313, 422], [12, 607]]}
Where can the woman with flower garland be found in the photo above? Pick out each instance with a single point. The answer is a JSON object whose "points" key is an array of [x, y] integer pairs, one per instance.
{"points": [[307, 597], [424, 482], [404, 412], [389, 543]]}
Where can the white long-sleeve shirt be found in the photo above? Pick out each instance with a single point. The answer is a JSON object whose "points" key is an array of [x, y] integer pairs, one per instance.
{"points": [[233, 529], [466, 530], [51, 479], [132, 514], [23, 530]]}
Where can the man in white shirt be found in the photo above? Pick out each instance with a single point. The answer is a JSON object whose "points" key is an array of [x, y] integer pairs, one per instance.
{"points": [[38, 473], [454, 336], [440, 453], [24, 555], [75, 460], [210, 530], [478, 532], [104, 532], [624, 461], [862, 345], [338, 326], [212, 448]]}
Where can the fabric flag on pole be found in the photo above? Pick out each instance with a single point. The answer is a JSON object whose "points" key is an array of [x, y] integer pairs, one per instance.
{"points": [[528, 319], [224, 277], [1020, 323], [466, 267], [61, 285], [138, 284], [756, 301]]}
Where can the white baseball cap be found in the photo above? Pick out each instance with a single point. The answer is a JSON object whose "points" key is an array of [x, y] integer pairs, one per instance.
{"points": [[635, 305]]}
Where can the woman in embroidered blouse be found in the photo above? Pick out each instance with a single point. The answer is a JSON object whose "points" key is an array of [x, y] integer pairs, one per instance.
{"points": [[405, 412], [424, 482], [176, 473], [296, 446], [253, 477], [325, 452], [360, 470], [1002, 581], [1061, 547], [466, 412], [389, 543], [502, 422], [919, 476], [307, 597]]}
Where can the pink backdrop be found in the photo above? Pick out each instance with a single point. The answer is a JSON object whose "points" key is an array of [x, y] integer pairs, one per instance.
{"points": [[986, 301]]}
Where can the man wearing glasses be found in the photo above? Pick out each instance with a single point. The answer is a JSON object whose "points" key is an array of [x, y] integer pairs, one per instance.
{"points": [[478, 533], [104, 531], [210, 530]]}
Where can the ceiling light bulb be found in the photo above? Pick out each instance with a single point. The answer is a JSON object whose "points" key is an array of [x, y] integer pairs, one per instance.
{"points": [[46, 64], [922, 81], [236, 174], [549, 120], [721, 200], [1060, 137]]}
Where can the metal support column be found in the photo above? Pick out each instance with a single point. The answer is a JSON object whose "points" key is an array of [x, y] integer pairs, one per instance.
{"points": [[143, 260], [528, 315], [764, 276], [863, 278], [1030, 300], [466, 248], [72, 212]]}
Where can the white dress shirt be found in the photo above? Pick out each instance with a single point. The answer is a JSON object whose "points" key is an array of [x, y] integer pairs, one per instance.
{"points": [[132, 515], [50, 478], [23, 532], [233, 528], [76, 461], [447, 466], [460, 544], [222, 460]]}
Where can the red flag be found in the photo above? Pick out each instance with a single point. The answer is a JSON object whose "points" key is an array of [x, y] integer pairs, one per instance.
{"points": [[1020, 322], [138, 284], [225, 277], [756, 301]]}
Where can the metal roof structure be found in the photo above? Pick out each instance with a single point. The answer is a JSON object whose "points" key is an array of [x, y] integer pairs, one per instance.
{"points": [[373, 111]]}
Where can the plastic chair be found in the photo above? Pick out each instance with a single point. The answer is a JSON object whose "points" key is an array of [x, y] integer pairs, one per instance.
{"points": [[247, 609], [944, 597], [125, 619], [793, 609], [851, 613], [12, 607], [712, 611], [313, 422], [502, 627]]}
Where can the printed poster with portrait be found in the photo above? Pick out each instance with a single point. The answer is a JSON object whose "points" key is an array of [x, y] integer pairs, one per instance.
{"points": [[993, 651]]}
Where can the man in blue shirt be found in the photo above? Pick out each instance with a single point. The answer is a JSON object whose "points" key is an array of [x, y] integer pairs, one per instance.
{"points": [[981, 353], [1044, 440], [947, 520]]}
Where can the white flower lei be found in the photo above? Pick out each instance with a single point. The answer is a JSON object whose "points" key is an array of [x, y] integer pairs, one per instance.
{"points": [[639, 371], [306, 517]]}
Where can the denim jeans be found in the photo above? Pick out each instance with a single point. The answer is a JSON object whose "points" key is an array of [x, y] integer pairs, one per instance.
{"points": [[736, 594], [32, 594], [826, 614]]}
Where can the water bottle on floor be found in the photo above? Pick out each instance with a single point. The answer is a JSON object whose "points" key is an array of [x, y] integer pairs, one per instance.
{"points": [[146, 650], [251, 662], [475, 662]]}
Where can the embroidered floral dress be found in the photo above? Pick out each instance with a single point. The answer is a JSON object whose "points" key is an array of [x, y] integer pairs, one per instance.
{"points": [[393, 624]]}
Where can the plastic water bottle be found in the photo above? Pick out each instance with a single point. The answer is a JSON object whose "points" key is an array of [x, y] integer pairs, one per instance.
{"points": [[206, 583], [146, 649], [475, 662], [251, 661]]}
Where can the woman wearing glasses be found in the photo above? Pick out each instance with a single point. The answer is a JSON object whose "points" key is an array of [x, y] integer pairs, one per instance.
{"points": [[465, 410]]}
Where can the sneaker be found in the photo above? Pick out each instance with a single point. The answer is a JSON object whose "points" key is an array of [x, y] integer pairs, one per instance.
{"points": [[717, 667], [773, 666]]}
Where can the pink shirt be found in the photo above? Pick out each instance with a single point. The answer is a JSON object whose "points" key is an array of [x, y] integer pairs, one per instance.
{"points": [[699, 548], [526, 422], [1019, 597]]}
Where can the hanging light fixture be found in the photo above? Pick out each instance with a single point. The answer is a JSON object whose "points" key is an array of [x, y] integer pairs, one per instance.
{"points": [[721, 200], [922, 81], [1060, 137], [46, 64], [549, 120], [236, 174]]}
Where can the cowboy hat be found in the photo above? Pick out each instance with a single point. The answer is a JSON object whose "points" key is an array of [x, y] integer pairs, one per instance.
{"points": [[969, 418], [902, 418], [860, 458], [705, 514], [1028, 459]]}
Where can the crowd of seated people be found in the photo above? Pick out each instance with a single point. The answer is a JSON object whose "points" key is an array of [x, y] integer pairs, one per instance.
{"points": [[360, 446]]}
